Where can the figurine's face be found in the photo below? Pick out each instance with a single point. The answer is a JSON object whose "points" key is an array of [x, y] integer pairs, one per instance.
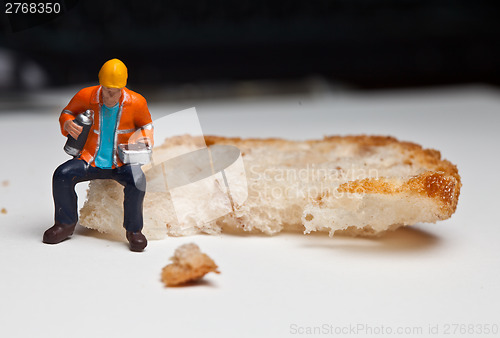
{"points": [[111, 96]]}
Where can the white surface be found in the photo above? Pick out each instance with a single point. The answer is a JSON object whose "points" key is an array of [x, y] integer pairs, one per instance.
{"points": [[432, 274]]}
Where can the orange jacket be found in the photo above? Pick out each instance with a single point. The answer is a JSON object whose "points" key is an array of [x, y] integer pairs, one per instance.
{"points": [[133, 115]]}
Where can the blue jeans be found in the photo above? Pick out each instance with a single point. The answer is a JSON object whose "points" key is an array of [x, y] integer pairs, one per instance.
{"points": [[74, 171]]}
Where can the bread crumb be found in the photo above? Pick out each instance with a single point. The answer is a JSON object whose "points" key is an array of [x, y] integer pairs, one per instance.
{"points": [[3, 211], [5, 183], [189, 265]]}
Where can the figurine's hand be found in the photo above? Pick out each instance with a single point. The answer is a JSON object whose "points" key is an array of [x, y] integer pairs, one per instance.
{"points": [[144, 140], [73, 129]]}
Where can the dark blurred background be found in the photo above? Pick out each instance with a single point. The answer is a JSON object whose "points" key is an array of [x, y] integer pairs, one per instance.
{"points": [[365, 44]]}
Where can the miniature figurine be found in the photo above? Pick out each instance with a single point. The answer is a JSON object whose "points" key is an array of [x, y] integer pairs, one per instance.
{"points": [[118, 113]]}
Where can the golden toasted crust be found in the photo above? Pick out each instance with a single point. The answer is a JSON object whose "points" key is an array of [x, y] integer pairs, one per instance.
{"points": [[444, 189]]}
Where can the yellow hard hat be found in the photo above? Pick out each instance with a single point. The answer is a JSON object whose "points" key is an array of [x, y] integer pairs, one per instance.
{"points": [[113, 74]]}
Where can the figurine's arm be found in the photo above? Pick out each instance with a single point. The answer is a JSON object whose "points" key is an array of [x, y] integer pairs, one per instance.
{"points": [[142, 120], [74, 107]]}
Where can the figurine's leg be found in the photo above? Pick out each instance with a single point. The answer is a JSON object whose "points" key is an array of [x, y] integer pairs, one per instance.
{"points": [[134, 182], [66, 176]]}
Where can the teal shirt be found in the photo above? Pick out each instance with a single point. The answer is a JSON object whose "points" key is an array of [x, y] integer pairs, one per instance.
{"points": [[104, 156]]}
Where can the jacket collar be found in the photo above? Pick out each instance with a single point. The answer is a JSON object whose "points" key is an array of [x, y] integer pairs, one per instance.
{"points": [[96, 97]]}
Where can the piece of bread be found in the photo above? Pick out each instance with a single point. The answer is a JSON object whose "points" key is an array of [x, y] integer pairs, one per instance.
{"points": [[355, 185], [189, 264]]}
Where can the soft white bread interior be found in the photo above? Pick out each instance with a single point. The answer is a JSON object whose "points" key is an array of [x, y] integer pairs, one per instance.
{"points": [[354, 185]]}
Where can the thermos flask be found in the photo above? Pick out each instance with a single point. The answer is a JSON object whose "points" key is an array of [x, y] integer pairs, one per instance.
{"points": [[85, 120]]}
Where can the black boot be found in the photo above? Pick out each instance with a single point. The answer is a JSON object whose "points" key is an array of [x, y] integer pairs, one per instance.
{"points": [[137, 241], [58, 233]]}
